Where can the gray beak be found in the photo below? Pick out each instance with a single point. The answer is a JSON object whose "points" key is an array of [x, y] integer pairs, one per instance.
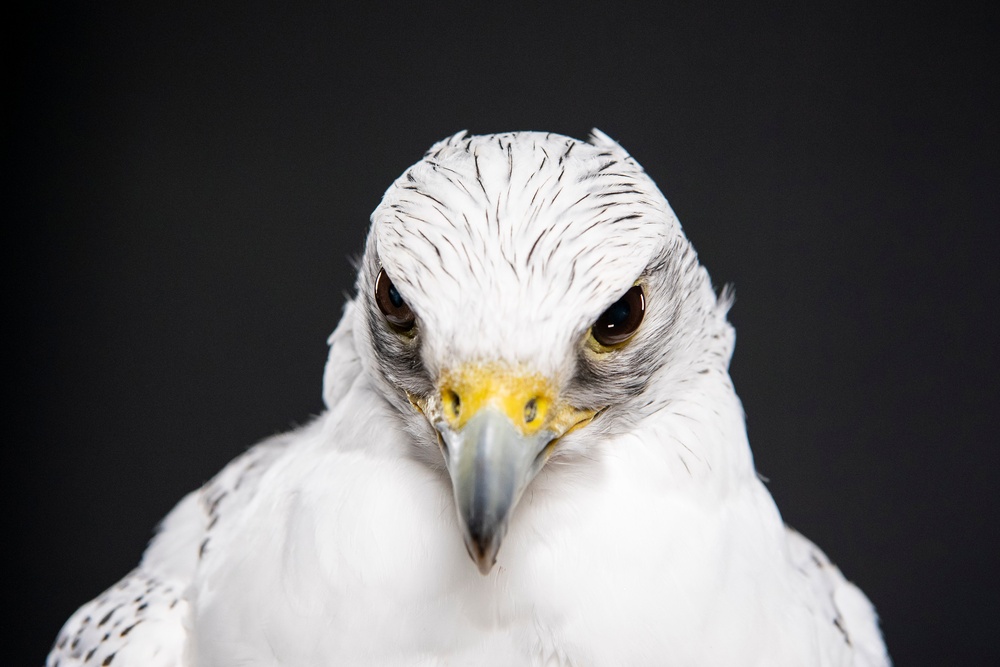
{"points": [[490, 463]]}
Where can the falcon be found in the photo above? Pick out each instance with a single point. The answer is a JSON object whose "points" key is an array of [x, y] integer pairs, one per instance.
{"points": [[532, 454]]}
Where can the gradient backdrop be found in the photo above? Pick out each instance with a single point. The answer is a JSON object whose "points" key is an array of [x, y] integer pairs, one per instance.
{"points": [[187, 187]]}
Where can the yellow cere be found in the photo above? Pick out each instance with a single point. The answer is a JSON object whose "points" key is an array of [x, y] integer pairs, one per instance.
{"points": [[528, 399]]}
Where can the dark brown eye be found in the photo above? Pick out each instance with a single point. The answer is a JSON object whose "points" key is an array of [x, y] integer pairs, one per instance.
{"points": [[391, 303], [618, 323]]}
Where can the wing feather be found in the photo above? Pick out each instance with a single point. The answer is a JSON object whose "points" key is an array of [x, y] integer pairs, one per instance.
{"points": [[840, 603]]}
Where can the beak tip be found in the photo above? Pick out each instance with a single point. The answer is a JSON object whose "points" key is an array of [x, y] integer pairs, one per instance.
{"points": [[483, 554]]}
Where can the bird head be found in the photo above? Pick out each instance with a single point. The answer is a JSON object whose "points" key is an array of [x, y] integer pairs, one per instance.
{"points": [[520, 293]]}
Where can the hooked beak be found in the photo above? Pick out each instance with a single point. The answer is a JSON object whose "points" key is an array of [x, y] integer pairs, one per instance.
{"points": [[498, 427], [490, 465]]}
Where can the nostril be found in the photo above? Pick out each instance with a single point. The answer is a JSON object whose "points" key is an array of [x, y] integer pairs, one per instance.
{"points": [[452, 402], [531, 410]]}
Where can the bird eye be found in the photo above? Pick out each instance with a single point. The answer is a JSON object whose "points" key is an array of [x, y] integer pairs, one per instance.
{"points": [[617, 324], [389, 301]]}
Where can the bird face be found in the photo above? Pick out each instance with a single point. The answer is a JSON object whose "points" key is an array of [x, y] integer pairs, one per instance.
{"points": [[520, 291]]}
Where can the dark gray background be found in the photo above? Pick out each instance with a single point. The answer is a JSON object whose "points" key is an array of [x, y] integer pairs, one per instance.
{"points": [[187, 186]]}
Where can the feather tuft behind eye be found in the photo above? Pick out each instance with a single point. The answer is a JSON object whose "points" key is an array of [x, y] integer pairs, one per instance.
{"points": [[389, 301], [621, 320]]}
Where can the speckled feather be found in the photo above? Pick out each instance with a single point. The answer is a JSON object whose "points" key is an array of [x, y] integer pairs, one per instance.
{"points": [[647, 539], [144, 618]]}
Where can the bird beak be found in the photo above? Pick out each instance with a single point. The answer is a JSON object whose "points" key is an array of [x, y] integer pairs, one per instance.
{"points": [[491, 464], [498, 427]]}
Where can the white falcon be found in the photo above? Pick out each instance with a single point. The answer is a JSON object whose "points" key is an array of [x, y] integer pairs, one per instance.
{"points": [[533, 374]]}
